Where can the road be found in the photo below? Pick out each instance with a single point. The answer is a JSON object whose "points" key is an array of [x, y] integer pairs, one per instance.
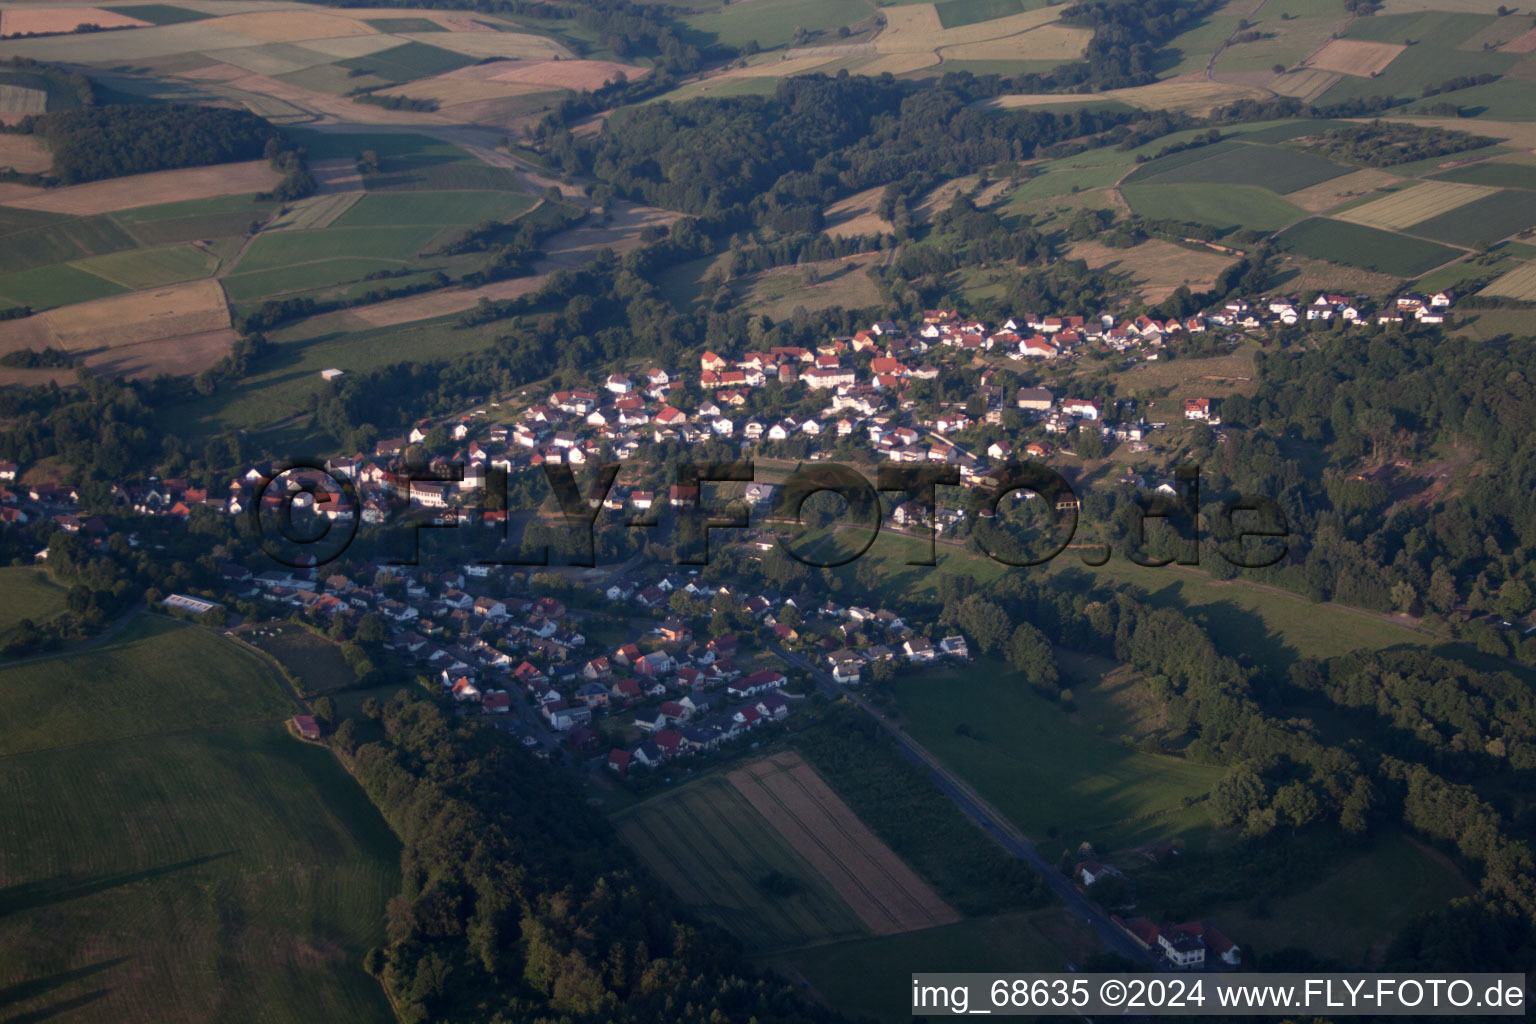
{"points": [[989, 818]]}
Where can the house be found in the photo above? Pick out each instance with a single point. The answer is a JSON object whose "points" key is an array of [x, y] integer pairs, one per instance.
{"points": [[306, 727], [657, 663], [1183, 950], [674, 631], [651, 721], [1034, 399], [954, 647], [597, 669], [1090, 871], [1197, 409], [918, 649], [757, 682], [564, 717], [593, 695], [626, 690], [618, 761]]}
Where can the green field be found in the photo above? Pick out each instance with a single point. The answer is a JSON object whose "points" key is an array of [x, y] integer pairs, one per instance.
{"points": [[873, 976], [1368, 248], [170, 853], [59, 240], [954, 13], [1230, 208], [1029, 760], [149, 268], [1492, 172], [292, 249], [1483, 220], [58, 285], [27, 593], [1352, 914], [399, 25], [771, 23], [159, 14], [304, 277], [1234, 163], [715, 850], [1433, 58], [408, 61], [433, 208]]}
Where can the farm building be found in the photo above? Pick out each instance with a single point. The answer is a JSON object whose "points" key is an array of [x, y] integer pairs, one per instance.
{"points": [[306, 727], [195, 605], [331, 374]]}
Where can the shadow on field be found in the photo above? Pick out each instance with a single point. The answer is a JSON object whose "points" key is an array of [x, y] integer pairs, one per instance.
{"points": [[23, 991], [57, 1009], [31, 895]]}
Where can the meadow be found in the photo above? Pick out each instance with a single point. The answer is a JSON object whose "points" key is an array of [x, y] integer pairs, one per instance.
{"points": [[1482, 221], [171, 852], [1233, 163], [27, 593], [729, 865], [771, 23], [1049, 776], [1227, 209], [1495, 173], [58, 285], [1369, 248]]}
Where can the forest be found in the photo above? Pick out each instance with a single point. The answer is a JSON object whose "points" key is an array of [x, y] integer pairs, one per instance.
{"points": [[1380, 144], [92, 143]]}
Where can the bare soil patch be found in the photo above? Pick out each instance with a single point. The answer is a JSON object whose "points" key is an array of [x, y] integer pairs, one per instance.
{"points": [[1355, 57], [1521, 44], [195, 307], [22, 21], [427, 305], [884, 892], [151, 189], [855, 216]]}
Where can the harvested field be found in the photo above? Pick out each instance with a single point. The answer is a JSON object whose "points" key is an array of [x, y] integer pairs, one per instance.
{"points": [[1191, 93], [18, 99], [37, 21], [192, 308], [428, 305], [1328, 194], [1355, 57], [1415, 204], [887, 895], [1519, 283], [152, 189], [568, 74], [316, 212], [1306, 84], [347, 47], [1048, 42], [915, 28], [273, 58], [24, 153], [1159, 268], [715, 851], [116, 47], [450, 91], [507, 45], [294, 25], [854, 216], [178, 355], [1521, 43], [898, 63]]}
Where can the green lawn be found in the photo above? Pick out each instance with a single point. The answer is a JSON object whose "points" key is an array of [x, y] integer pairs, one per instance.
{"points": [[1028, 758], [27, 593], [714, 850], [1229, 208], [171, 853], [1356, 245]]}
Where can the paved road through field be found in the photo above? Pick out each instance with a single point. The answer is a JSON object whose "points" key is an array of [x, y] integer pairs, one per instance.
{"points": [[992, 821]]}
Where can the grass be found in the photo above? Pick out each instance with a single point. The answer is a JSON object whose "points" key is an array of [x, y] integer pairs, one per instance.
{"points": [[171, 853], [148, 268], [772, 23], [59, 241], [58, 285], [1499, 175], [1353, 913], [1369, 248], [1225, 208], [159, 14], [27, 593], [715, 850], [391, 26], [1483, 220], [872, 977], [1271, 167], [304, 277], [434, 208], [1048, 775], [1431, 60]]}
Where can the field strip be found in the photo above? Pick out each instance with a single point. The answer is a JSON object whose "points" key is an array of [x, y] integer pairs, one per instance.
{"points": [[823, 830], [1519, 283], [18, 99], [152, 189], [1048, 42], [915, 28], [1415, 204], [315, 212], [1355, 57]]}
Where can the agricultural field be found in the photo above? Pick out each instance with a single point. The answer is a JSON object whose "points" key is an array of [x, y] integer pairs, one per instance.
{"points": [[1482, 221], [772, 23], [1235, 163], [1493, 174], [154, 189], [150, 268], [1368, 248], [214, 862], [1414, 204], [1158, 268], [727, 863], [59, 285], [1224, 208], [1048, 775], [1519, 283]]}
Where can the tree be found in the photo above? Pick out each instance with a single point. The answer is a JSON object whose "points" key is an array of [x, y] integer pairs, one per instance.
{"points": [[1029, 653], [1237, 796], [324, 709], [985, 623], [1089, 442]]}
